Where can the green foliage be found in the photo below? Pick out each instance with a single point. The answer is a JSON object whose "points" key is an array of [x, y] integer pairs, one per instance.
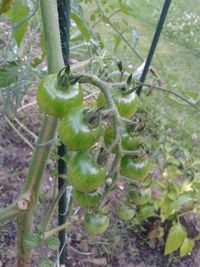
{"points": [[18, 14], [53, 243], [175, 239], [186, 247], [33, 240], [167, 138], [8, 74], [46, 263], [5, 6]]}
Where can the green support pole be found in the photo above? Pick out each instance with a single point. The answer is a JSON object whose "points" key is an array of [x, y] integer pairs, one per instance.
{"points": [[64, 26], [154, 43]]}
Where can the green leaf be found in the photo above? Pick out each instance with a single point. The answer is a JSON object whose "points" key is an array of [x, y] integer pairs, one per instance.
{"points": [[197, 237], [8, 74], [46, 263], [145, 212], [181, 200], [166, 208], [187, 247], [53, 243], [175, 238], [32, 240], [117, 41], [19, 13], [5, 6], [81, 23]]}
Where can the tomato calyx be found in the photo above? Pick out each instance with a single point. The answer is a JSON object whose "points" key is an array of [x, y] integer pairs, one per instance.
{"points": [[63, 81], [102, 157], [92, 117], [55, 99]]}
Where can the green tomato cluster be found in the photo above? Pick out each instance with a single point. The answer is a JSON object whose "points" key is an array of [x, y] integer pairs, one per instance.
{"points": [[82, 133]]}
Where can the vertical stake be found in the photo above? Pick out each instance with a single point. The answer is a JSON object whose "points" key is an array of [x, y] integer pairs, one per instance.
{"points": [[154, 43], [64, 7]]}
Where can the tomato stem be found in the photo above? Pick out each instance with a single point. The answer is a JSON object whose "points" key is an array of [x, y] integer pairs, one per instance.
{"points": [[47, 132]]}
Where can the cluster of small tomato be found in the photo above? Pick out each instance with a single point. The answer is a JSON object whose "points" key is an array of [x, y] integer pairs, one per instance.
{"points": [[80, 128]]}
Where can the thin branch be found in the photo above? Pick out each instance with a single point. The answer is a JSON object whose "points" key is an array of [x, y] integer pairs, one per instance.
{"points": [[109, 17], [53, 205], [25, 128], [55, 230], [26, 106], [9, 212], [79, 252], [119, 33], [171, 92]]}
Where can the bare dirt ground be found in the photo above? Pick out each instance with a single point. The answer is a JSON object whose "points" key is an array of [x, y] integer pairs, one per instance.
{"points": [[120, 246]]}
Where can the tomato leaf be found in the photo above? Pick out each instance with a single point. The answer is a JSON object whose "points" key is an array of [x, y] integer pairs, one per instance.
{"points": [[117, 41], [8, 74], [19, 13], [5, 6], [145, 212], [81, 23], [182, 200], [187, 247], [32, 240], [197, 237], [53, 243], [175, 238], [166, 208], [46, 263]]}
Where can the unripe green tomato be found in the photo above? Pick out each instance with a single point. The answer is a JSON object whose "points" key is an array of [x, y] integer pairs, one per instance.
{"points": [[134, 170], [96, 223], [56, 101], [124, 212], [128, 142], [86, 199], [84, 174], [139, 198], [126, 103], [75, 133]]}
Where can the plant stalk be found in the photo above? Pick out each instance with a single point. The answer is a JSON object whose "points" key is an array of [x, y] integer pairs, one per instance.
{"points": [[47, 132]]}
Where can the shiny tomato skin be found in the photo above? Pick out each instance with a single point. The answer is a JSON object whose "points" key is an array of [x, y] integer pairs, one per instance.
{"points": [[84, 174], [124, 212], [134, 170], [126, 103], [75, 133], [96, 223], [128, 142], [55, 101], [86, 200]]}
